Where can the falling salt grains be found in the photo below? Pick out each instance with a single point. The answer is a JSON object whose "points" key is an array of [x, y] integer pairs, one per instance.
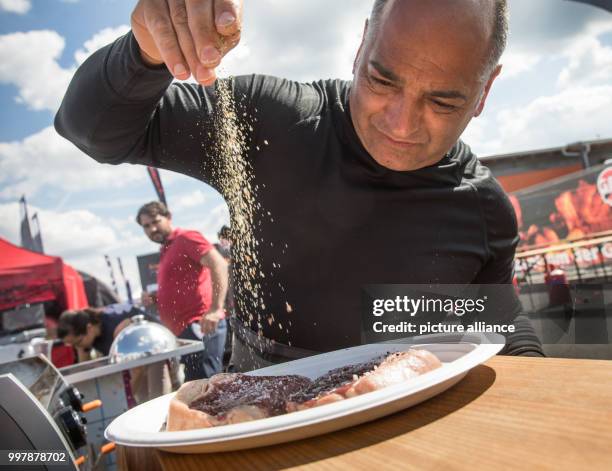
{"points": [[234, 177], [288, 307]]}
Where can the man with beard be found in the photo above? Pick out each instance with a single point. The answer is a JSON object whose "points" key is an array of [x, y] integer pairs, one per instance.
{"points": [[192, 280]]}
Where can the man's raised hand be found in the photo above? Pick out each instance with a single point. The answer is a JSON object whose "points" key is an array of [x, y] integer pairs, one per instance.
{"points": [[189, 36]]}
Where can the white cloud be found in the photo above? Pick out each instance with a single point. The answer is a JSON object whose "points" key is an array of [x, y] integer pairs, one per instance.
{"points": [[601, 24], [21, 7], [589, 62], [478, 136], [578, 113], [47, 159], [98, 40], [29, 59], [552, 39], [67, 234], [214, 219], [547, 26], [211, 221], [77, 233], [9, 222], [82, 238], [517, 62], [549, 29], [189, 200], [44, 159], [299, 40]]}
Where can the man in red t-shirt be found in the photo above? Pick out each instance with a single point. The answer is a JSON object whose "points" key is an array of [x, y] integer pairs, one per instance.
{"points": [[192, 281]]}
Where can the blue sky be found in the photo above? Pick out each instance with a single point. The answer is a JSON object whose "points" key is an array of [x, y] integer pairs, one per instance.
{"points": [[67, 18], [556, 88]]}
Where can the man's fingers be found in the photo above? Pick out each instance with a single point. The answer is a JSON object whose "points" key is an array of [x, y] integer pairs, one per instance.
{"points": [[228, 17], [159, 24], [205, 37], [204, 75], [189, 36], [178, 13]]}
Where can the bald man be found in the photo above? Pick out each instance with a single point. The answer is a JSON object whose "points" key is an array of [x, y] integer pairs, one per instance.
{"points": [[366, 180]]}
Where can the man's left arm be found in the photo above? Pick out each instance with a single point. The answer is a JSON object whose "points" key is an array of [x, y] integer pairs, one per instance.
{"points": [[500, 230], [496, 275], [218, 267], [504, 306]]}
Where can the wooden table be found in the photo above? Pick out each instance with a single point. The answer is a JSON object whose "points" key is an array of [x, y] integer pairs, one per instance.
{"points": [[510, 413]]}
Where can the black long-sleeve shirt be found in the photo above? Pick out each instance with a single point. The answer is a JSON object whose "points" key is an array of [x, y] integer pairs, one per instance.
{"points": [[342, 219]]}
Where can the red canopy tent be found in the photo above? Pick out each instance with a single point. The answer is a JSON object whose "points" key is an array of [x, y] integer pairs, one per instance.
{"points": [[28, 277]]}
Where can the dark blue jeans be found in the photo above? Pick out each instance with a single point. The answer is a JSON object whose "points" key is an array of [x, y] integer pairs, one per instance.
{"points": [[208, 362]]}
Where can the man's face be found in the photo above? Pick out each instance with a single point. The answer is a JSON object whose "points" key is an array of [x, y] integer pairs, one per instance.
{"points": [[157, 228], [418, 80]]}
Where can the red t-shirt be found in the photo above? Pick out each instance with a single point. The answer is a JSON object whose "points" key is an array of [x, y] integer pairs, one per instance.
{"points": [[184, 290]]}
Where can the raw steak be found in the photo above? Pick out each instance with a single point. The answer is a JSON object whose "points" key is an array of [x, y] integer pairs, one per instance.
{"points": [[353, 380], [230, 398]]}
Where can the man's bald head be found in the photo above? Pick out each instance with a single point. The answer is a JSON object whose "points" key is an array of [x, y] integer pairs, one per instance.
{"points": [[493, 12], [423, 71]]}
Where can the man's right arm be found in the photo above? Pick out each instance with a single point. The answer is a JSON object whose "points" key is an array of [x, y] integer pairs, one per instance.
{"points": [[121, 105], [119, 109]]}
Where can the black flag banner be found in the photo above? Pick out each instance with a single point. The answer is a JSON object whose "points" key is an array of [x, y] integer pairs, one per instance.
{"points": [[112, 274], [27, 241], [157, 183], [128, 287], [605, 4], [38, 244]]}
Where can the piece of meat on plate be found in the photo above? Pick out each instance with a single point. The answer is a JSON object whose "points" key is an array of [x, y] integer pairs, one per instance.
{"points": [[353, 380], [230, 398]]}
